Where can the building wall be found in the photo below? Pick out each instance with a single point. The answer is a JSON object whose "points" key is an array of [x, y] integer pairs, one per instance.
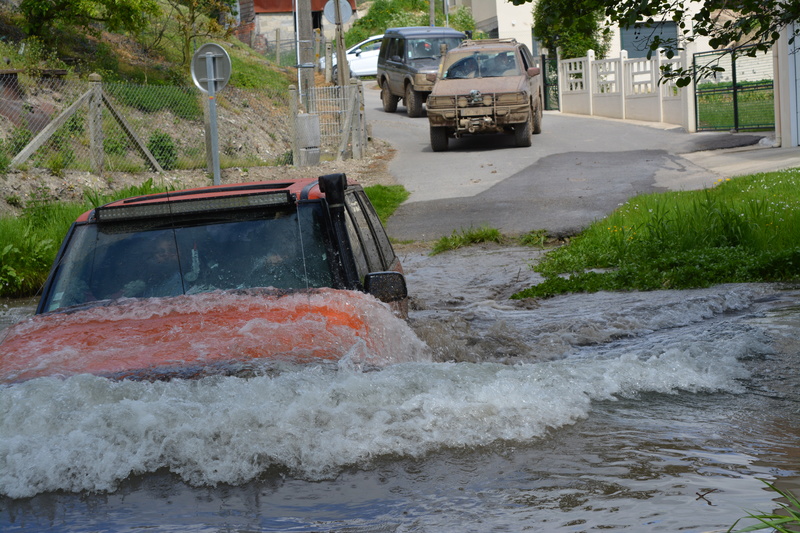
{"points": [[515, 21], [501, 18]]}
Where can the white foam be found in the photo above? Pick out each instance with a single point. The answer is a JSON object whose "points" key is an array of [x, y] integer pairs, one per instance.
{"points": [[88, 433]]}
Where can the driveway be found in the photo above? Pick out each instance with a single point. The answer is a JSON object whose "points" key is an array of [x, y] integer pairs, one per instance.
{"points": [[577, 171]]}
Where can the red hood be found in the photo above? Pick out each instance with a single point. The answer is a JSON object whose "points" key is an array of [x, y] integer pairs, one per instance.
{"points": [[194, 335]]}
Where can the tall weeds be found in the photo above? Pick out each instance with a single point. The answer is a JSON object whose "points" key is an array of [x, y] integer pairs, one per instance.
{"points": [[29, 243], [742, 230]]}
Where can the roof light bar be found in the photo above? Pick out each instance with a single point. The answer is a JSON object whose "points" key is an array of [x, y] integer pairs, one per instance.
{"points": [[186, 207]]}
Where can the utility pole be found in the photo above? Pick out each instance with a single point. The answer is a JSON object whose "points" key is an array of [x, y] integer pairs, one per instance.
{"points": [[432, 4], [305, 49], [342, 66]]}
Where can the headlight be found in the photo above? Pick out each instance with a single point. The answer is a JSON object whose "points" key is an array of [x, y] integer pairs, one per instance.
{"points": [[511, 98], [440, 101], [421, 79]]}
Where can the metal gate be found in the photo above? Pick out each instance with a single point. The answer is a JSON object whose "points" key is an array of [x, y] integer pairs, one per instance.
{"points": [[550, 80], [741, 97]]}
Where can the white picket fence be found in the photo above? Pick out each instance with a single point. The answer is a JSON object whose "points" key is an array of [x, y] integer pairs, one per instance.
{"points": [[626, 89]]}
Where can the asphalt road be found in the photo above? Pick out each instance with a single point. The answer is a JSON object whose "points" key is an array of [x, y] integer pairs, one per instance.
{"points": [[578, 170]]}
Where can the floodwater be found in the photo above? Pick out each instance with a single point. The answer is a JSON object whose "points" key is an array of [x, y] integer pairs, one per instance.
{"points": [[658, 411]]}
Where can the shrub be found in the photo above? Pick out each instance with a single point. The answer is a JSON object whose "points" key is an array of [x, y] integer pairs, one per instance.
{"points": [[163, 149], [113, 146]]}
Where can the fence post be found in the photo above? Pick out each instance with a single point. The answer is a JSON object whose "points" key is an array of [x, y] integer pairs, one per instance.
{"points": [[656, 74], [95, 117], [621, 77], [355, 129], [293, 111], [735, 92], [362, 119], [328, 62], [278, 46], [589, 74], [688, 97]]}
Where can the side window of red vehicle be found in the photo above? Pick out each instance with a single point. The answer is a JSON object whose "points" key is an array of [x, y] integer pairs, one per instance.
{"points": [[381, 239], [362, 238]]}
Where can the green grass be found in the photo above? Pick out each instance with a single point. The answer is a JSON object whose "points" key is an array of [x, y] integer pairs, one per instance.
{"points": [[467, 237], [386, 199], [29, 243], [778, 521], [742, 230]]}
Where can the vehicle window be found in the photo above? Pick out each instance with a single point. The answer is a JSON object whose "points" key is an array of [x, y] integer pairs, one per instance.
{"points": [[465, 67], [394, 48], [365, 233], [285, 249], [382, 240], [500, 64], [421, 48], [371, 46], [401, 47], [359, 255], [526, 61]]}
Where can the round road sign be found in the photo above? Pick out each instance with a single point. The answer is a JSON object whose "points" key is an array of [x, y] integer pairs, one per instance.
{"points": [[221, 67], [345, 11]]}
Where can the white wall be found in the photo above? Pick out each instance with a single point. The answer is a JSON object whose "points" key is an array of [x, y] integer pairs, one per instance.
{"points": [[515, 21], [511, 21]]}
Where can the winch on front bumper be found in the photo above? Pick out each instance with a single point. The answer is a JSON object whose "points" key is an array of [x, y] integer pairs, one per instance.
{"points": [[478, 112]]}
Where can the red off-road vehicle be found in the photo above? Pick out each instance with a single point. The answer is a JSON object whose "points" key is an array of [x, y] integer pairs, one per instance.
{"points": [[202, 280]]}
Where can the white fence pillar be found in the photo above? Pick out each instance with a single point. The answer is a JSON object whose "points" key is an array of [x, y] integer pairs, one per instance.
{"points": [[688, 103], [620, 79]]}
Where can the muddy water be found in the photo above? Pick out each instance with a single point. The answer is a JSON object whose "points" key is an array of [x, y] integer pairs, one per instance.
{"points": [[638, 411]]}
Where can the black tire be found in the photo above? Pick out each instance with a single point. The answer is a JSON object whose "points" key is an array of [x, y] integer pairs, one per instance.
{"points": [[335, 74], [439, 138], [522, 134], [413, 102], [537, 118], [389, 100]]}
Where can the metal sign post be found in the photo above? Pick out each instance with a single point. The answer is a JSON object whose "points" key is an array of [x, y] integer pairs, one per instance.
{"points": [[338, 12], [217, 70]]}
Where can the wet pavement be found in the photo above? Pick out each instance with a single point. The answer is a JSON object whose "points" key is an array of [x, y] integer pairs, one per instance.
{"points": [[577, 171]]}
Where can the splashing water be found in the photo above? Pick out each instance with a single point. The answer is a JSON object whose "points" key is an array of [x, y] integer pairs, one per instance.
{"points": [[574, 413]]}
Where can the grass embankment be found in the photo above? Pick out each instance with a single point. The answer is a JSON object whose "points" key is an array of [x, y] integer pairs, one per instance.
{"points": [[742, 230], [29, 243]]}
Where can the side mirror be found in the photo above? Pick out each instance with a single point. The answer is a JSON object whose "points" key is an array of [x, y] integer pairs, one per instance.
{"points": [[534, 71], [430, 76], [396, 59], [386, 286], [358, 52]]}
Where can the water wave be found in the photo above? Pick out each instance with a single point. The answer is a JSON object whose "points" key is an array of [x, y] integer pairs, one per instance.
{"points": [[87, 433]]}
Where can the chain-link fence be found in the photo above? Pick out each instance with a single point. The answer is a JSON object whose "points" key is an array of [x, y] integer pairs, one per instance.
{"points": [[281, 47], [341, 118], [63, 124]]}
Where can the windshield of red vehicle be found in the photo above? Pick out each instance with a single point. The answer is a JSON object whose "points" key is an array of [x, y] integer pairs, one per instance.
{"points": [[286, 249]]}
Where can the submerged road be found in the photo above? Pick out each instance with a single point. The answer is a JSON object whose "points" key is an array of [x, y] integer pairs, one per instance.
{"points": [[578, 170]]}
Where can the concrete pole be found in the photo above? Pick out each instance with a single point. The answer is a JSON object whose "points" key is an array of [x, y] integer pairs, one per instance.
{"points": [[305, 44]]}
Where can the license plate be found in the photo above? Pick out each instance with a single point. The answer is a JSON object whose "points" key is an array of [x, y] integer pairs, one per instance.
{"points": [[475, 111]]}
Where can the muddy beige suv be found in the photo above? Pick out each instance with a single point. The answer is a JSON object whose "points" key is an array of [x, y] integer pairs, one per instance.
{"points": [[487, 86]]}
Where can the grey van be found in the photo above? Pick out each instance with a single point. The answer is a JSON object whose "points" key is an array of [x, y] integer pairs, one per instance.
{"points": [[407, 56]]}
